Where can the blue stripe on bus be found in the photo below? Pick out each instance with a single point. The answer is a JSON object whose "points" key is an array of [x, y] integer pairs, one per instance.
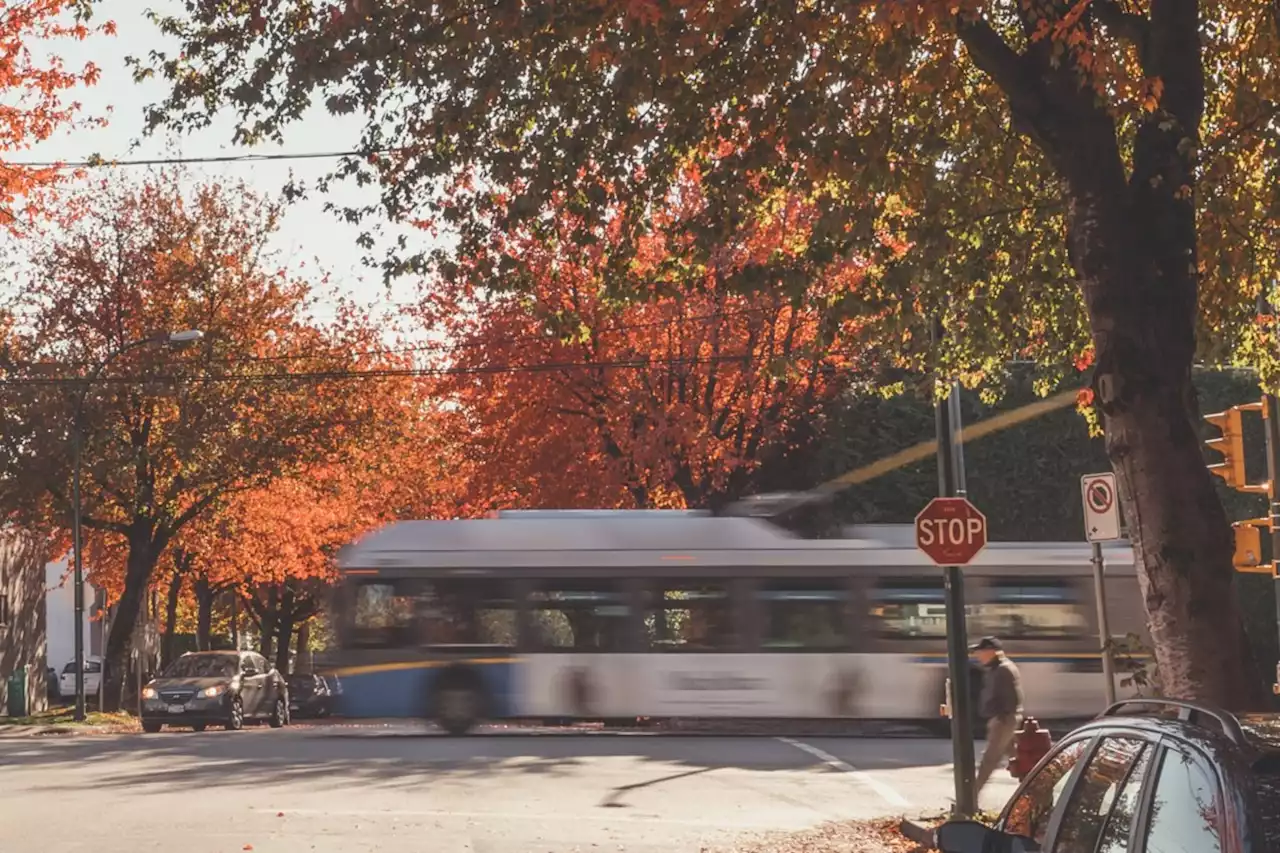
{"points": [[1063, 658], [403, 689]]}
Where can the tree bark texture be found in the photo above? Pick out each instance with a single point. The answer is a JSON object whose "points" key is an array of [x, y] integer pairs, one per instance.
{"points": [[205, 595], [144, 551], [267, 613], [284, 628], [170, 618], [303, 656]]}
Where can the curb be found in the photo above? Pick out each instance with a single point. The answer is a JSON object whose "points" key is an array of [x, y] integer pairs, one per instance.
{"points": [[16, 732], [22, 732], [917, 832]]}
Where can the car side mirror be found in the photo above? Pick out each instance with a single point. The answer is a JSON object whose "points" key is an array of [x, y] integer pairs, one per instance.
{"points": [[969, 836]]}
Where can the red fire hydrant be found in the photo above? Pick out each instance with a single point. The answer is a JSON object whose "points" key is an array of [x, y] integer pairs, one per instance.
{"points": [[1030, 744]]}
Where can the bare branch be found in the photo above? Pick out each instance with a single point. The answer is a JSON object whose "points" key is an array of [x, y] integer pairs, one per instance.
{"points": [[1004, 65]]}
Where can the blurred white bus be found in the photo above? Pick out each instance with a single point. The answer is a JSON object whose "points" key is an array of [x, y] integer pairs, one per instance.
{"points": [[624, 614]]}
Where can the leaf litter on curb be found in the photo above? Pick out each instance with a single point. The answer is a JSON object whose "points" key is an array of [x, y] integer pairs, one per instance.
{"points": [[862, 836]]}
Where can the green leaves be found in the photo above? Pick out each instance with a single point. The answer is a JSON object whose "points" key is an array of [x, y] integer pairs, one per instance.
{"points": [[877, 115]]}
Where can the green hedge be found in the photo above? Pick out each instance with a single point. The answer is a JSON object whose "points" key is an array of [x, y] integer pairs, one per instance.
{"points": [[1025, 479]]}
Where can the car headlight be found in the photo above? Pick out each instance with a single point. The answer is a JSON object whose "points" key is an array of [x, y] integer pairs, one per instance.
{"points": [[149, 693], [211, 692]]}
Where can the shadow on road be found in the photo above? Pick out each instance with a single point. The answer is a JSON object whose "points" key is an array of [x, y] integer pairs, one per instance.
{"points": [[326, 759]]}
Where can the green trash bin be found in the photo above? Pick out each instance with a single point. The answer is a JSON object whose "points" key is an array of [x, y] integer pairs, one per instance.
{"points": [[18, 693]]}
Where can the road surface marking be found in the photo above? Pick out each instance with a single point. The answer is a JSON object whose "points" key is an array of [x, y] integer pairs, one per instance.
{"points": [[886, 791]]}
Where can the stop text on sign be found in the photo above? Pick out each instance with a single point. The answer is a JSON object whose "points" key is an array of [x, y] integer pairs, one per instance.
{"points": [[951, 531]]}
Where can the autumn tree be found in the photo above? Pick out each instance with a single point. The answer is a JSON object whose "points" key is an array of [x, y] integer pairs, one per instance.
{"points": [[275, 546], [168, 435], [674, 399], [1103, 170], [34, 92]]}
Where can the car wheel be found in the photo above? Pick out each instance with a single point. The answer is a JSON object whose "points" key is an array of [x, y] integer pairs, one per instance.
{"points": [[235, 719], [280, 716], [198, 727], [150, 727], [458, 708]]}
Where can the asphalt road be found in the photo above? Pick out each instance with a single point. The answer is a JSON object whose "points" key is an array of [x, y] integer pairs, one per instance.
{"points": [[337, 789]]}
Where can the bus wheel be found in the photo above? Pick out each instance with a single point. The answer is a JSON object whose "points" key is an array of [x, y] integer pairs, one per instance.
{"points": [[458, 703]]}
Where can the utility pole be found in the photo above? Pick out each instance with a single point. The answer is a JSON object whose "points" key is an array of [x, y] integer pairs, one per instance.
{"points": [[1271, 420], [951, 484]]}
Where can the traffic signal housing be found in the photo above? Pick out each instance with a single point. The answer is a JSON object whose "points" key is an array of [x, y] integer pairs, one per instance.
{"points": [[1231, 446], [1248, 551]]}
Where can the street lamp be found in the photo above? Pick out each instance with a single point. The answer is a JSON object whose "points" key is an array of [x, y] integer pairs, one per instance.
{"points": [[170, 339]]}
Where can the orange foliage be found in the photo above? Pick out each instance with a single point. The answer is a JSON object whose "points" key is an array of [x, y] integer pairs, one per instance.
{"points": [[170, 435], [292, 528], [32, 94], [575, 398]]}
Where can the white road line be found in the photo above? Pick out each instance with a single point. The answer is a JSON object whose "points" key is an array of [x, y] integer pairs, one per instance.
{"points": [[886, 791]]}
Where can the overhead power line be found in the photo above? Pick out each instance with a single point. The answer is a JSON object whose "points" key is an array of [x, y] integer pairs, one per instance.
{"points": [[107, 163], [443, 348], [438, 347], [394, 373]]}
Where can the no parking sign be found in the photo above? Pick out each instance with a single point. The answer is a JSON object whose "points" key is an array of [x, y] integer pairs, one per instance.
{"points": [[1101, 510]]}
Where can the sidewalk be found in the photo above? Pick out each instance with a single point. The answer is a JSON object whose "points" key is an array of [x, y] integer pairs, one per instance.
{"points": [[61, 721]]}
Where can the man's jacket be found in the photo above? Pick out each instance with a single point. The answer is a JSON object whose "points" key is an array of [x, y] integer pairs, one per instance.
{"points": [[1001, 689]]}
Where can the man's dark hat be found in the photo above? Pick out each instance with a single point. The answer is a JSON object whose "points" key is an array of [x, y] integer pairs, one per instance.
{"points": [[992, 643]]}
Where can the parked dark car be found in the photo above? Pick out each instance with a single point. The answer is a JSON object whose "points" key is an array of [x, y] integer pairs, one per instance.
{"points": [[309, 696], [1155, 776], [202, 689]]}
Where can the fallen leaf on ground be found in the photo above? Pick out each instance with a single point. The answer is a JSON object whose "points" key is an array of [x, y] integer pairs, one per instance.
{"points": [[857, 836]]}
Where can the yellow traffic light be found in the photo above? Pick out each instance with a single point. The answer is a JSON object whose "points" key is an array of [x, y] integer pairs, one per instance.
{"points": [[1231, 446], [1248, 553]]}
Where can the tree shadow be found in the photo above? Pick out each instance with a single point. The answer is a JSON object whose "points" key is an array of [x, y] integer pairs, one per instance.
{"points": [[322, 759]]}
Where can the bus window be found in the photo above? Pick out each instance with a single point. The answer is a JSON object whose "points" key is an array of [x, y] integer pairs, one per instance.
{"points": [[695, 617], [467, 612], [910, 608], [1031, 609], [803, 614], [579, 616], [383, 616]]}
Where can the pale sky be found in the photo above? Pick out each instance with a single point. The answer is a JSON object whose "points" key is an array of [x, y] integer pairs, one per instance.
{"points": [[308, 234]]}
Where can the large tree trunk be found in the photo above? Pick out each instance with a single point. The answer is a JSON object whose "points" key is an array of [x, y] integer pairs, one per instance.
{"points": [[141, 562], [303, 656], [205, 595], [1142, 310], [267, 612], [1132, 239], [235, 620], [284, 628], [1133, 243], [170, 618]]}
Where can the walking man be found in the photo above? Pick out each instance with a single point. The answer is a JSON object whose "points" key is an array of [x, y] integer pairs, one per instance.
{"points": [[1001, 705]]}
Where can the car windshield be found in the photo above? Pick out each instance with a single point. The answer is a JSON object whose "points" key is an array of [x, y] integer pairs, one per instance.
{"points": [[203, 666]]}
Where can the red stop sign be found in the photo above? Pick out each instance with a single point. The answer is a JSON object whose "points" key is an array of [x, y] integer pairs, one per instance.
{"points": [[951, 531]]}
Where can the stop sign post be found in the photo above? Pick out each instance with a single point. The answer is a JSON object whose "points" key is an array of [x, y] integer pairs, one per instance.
{"points": [[951, 531]]}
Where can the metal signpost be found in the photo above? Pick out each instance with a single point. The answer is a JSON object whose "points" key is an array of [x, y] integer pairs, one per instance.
{"points": [[1101, 524], [951, 532]]}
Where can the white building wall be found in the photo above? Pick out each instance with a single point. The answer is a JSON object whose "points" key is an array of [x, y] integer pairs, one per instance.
{"points": [[60, 613]]}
